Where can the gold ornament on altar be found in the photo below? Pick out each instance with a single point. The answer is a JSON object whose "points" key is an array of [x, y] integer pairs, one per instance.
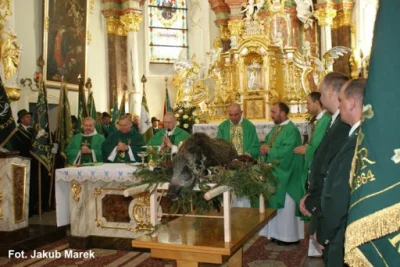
{"points": [[189, 80], [141, 213], [276, 6], [10, 52]]}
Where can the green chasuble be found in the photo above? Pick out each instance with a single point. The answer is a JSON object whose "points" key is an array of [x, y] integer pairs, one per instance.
{"points": [[251, 144], [283, 139], [132, 138], [320, 129], [92, 141], [176, 138]]}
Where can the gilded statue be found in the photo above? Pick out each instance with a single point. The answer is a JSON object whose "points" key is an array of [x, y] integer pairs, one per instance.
{"points": [[10, 52], [186, 72]]}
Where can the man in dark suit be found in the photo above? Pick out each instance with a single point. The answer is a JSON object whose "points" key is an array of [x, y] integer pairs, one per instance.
{"points": [[332, 219], [154, 124], [327, 150]]}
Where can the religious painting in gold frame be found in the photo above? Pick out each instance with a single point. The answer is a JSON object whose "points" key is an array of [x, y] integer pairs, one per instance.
{"points": [[254, 108], [65, 41], [19, 191]]}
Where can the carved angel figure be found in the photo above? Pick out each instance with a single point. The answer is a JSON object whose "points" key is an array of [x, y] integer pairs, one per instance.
{"points": [[259, 6], [249, 10], [278, 40], [329, 58], [326, 64], [305, 11], [307, 52]]}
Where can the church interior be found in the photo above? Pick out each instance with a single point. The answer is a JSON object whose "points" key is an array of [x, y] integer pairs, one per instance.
{"points": [[173, 55]]}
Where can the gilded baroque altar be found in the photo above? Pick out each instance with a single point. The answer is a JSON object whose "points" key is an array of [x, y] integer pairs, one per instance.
{"points": [[265, 63]]}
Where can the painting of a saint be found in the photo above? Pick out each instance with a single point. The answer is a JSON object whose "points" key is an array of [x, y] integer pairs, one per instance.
{"points": [[65, 40]]}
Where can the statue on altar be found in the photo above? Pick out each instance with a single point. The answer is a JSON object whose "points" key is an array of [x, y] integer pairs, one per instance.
{"points": [[189, 80], [252, 9], [305, 11], [254, 74], [277, 40], [249, 10], [185, 73]]}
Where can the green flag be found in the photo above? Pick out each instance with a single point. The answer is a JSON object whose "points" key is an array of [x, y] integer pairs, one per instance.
{"points": [[167, 103], [7, 122], [82, 107], [64, 124], [91, 107], [41, 142], [145, 121], [122, 105], [372, 234]]}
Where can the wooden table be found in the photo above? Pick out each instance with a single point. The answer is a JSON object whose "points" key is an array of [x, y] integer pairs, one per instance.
{"points": [[191, 240]]}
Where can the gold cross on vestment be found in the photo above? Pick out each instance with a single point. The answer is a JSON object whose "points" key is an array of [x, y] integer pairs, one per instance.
{"points": [[86, 143]]}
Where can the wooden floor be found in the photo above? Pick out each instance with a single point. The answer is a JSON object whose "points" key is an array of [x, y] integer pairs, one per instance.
{"points": [[312, 262]]}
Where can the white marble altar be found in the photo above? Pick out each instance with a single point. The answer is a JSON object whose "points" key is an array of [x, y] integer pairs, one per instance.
{"points": [[14, 192], [91, 200], [262, 128]]}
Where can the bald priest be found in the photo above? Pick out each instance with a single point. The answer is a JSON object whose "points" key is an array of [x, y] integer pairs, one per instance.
{"points": [[85, 147]]}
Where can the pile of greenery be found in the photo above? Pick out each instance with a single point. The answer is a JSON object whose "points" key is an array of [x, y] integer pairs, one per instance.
{"points": [[244, 175]]}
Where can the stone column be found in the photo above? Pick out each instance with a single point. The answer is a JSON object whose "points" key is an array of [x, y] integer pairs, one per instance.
{"points": [[325, 17], [222, 11], [131, 22], [117, 63], [341, 36], [235, 23]]}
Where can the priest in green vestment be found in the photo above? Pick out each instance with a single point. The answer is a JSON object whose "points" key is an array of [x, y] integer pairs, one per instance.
{"points": [[320, 122], [285, 228], [170, 137], [123, 145], [240, 132], [85, 147], [335, 198]]}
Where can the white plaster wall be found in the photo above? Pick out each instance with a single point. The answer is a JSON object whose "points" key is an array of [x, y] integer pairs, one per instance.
{"points": [[29, 31]]}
